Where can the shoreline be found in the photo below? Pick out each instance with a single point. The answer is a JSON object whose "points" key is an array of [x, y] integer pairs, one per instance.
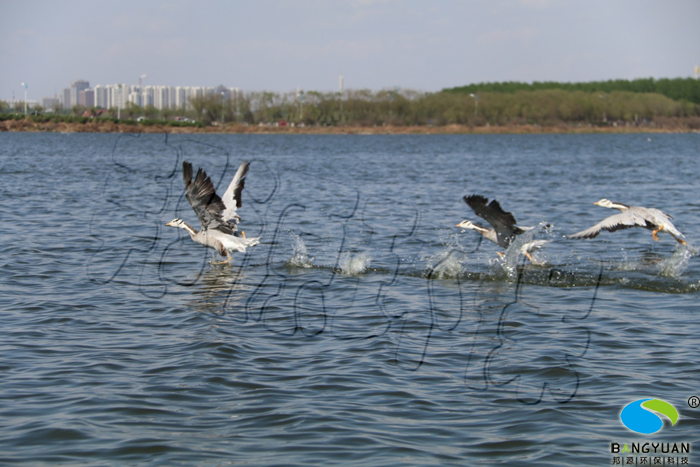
{"points": [[27, 125]]}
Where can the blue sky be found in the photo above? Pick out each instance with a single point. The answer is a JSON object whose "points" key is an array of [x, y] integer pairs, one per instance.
{"points": [[279, 46]]}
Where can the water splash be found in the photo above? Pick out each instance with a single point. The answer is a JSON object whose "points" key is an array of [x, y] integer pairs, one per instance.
{"points": [[446, 264], [508, 261], [352, 265], [676, 265], [300, 257]]}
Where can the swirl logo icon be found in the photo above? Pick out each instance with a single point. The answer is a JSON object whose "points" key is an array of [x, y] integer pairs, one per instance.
{"points": [[640, 415]]}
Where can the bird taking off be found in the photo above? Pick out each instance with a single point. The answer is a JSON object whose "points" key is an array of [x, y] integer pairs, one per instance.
{"points": [[503, 225], [632, 216], [218, 216]]}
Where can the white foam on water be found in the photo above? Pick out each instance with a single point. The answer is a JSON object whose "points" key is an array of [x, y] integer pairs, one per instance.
{"points": [[676, 265], [446, 264], [352, 265], [300, 257], [450, 262], [509, 260]]}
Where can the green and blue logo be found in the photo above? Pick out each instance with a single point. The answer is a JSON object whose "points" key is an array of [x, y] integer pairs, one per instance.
{"points": [[640, 415]]}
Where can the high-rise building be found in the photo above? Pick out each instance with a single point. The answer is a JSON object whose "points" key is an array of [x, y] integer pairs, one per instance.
{"points": [[75, 88], [118, 95], [65, 98], [86, 98], [147, 96], [163, 97], [101, 96], [135, 97], [180, 97]]}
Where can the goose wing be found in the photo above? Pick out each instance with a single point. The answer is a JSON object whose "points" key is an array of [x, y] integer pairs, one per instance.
{"points": [[232, 195], [652, 213], [201, 195], [503, 222], [624, 220]]}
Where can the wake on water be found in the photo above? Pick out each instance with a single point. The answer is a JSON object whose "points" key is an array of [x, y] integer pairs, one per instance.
{"points": [[349, 264], [451, 262]]}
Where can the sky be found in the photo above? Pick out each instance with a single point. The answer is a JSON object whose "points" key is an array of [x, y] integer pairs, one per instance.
{"points": [[281, 46]]}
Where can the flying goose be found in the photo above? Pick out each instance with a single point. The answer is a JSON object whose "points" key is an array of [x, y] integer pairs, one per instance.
{"points": [[217, 216], [632, 216], [504, 228]]}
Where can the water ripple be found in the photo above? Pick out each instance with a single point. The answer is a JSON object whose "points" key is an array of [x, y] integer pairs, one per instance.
{"points": [[365, 329]]}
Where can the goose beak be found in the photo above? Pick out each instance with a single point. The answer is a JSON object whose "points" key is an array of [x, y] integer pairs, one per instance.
{"points": [[170, 224]]}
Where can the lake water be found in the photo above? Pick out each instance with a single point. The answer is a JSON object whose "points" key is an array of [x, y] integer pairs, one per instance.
{"points": [[365, 328]]}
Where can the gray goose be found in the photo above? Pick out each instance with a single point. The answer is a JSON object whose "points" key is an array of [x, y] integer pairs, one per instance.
{"points": [[217, 216], [632, 216], [503, 225]]}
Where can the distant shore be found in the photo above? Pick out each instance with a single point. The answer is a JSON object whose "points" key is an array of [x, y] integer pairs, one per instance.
{"points": [[96, 126]]}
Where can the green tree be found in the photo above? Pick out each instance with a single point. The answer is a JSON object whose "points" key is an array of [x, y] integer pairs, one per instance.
{"points": [[77, 110], [130, 110], [150, 112], [207, 108], [167, 113]]}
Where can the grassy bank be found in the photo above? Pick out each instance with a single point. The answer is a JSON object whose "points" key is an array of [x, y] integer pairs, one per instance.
{"points": [[662, 125]]}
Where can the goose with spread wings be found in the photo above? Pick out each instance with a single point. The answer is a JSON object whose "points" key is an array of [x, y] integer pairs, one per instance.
{"points": [[632, 216], [503, 225], [218, 216]]}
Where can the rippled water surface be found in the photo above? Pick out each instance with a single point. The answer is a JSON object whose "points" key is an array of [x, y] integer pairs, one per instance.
{"points": [[365, 328]]}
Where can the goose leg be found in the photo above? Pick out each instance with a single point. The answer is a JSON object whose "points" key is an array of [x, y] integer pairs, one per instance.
{"points": [[654, 232], [529, 257], [226, 261]]}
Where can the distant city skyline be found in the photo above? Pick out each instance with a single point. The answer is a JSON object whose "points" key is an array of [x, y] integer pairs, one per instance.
{"points": [[374, 44], [119, 95]]}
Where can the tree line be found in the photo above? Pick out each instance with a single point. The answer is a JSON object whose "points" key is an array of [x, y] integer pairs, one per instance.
{"points": [[687, 89], [410, 108], [638, 102], [407, 108]]}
